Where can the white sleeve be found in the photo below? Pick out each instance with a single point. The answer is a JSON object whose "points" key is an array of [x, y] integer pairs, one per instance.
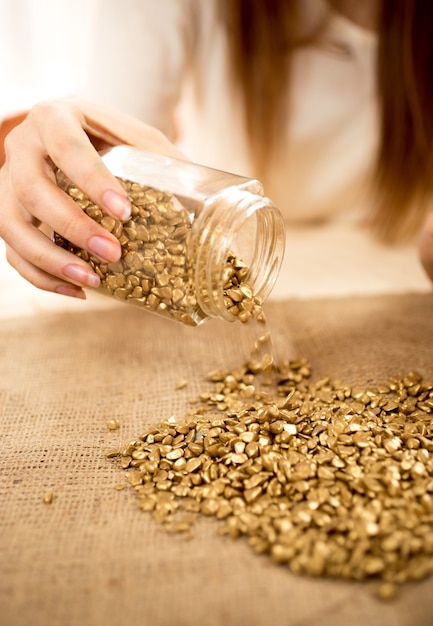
{"points": [[142, 49]]}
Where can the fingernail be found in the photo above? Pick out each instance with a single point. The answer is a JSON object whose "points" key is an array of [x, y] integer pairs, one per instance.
{"points": [[82, 275], [71, 291], [118, 205], [104, 248]]}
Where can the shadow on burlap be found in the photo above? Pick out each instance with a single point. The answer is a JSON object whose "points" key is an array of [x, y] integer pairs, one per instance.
{"points": [[92, 558]]}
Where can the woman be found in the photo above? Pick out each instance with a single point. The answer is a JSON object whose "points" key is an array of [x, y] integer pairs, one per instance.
{"points": [[329, 103]]}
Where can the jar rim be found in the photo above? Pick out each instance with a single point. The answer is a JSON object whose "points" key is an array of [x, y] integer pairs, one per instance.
{"points": [[222, 218]]}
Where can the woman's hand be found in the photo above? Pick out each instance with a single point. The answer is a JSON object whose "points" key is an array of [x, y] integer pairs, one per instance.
{"points": [[426, 246], [65, 134]]}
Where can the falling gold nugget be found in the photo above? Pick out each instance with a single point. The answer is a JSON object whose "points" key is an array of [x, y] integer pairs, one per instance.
{"points": [[48, 497]]}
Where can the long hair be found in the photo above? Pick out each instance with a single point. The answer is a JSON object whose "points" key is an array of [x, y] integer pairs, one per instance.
{"points": [[405, 84], [261, 36]]}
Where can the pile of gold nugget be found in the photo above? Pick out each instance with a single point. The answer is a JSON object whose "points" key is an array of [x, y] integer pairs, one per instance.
{"points": [[327, 479]]}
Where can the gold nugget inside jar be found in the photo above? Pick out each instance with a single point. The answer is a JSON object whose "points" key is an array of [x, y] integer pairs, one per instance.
{"points": [[200, 243]]}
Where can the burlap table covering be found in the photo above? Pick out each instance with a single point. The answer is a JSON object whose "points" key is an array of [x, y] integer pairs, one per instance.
{"points": [[92, 558]]}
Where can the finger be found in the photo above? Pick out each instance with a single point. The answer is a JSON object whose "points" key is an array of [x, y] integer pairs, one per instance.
{"points": [[41, 279], [426, 246], [69, 147], [43, 263], [48, 204]]}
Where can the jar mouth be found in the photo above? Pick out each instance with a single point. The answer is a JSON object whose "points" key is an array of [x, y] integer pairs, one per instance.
{"points": [[240, 223]]}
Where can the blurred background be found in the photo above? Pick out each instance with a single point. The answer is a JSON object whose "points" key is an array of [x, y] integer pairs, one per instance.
{"points": [[44, 45], [44, 51]]}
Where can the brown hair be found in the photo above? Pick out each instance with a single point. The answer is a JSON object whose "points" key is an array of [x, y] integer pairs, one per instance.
{"points": [[405, 84], [261, 36]]}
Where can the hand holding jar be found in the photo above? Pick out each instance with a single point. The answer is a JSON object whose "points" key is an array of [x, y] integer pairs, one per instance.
{"points": [[65, 134]]}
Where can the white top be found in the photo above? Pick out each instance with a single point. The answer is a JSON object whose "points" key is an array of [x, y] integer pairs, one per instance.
{"points": [[149, 58]]}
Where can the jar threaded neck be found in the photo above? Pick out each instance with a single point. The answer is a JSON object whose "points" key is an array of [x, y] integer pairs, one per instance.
{"points": [[240, 223]]}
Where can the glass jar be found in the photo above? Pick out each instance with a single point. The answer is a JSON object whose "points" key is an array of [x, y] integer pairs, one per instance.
{"points": [[200, 243]]}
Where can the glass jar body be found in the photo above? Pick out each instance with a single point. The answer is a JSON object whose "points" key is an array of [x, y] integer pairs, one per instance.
{"points": [[190, 225]]}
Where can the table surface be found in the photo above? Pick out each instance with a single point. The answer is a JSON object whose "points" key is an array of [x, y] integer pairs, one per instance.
{"points": [[93, 558]]}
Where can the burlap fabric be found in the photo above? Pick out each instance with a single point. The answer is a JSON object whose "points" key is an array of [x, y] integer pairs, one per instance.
{"points": [[92, 558]]}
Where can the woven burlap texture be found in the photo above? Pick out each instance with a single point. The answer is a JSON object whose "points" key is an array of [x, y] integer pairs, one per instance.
{"points": [[92, 558]]}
